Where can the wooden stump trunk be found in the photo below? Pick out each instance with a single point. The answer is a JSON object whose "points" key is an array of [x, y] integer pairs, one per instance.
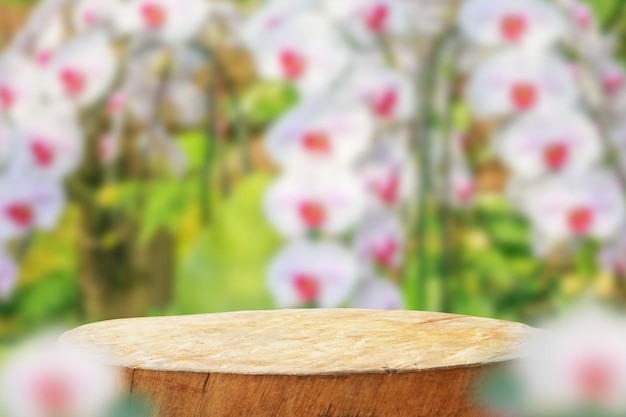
{"points": [[303, 363]]}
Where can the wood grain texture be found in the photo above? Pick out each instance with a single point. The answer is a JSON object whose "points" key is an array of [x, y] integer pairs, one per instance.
{"points": [[318, 363]]}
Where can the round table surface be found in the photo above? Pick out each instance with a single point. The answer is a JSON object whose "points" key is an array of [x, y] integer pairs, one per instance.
{"points": [[300, 342]]}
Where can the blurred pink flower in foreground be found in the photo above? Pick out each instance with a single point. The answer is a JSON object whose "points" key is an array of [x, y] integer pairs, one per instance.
{"points": [[322, 274], [550, 140], [19, 87], [570, 206], [579, 364], [513, 82], [315, 200], [39, 381], [520, 23]]}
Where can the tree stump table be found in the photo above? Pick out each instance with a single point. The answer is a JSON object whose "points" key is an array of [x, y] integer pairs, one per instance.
{"points": [[300, 363]]}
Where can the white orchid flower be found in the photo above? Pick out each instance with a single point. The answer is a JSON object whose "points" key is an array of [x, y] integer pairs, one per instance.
{"points": [[550, 140], [320, 131], [534, 24], [513, 82], [323, 274], [330, 201]]}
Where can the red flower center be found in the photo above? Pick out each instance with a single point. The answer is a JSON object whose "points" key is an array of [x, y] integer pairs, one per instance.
{"points": [[580, 220], [384, 254], [73, 82], [612, 83], [292, 64], [513, 27], [595, 379], [317, 142], [313, 214], [7, 97], [153, 15], [52, 394], [21, 214], [384, 104], [43, 152], [376, 18], [388, 192], [524, 95], [556, 155], [307, 287]]}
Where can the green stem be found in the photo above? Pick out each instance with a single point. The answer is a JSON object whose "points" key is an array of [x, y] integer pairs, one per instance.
{"points": [[423, 131]]}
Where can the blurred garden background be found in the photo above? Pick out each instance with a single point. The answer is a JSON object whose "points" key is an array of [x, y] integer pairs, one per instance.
{"points": [[154, 241]]}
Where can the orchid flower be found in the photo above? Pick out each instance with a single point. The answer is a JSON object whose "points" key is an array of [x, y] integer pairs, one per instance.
{"points": [[578, 365], [49, 41], [304, 201], [8, 276], [367, 20], [43, 382], [378, 294], [389, 94], [379, 242], [170, 21], [533, 24], [83, 70], [305, 50], [550, 140], [28, 202], [52, 147], [321, 131], [304, 273], [91, 14], [514, 82], [20, 87], [389, 174], [576, 205]]}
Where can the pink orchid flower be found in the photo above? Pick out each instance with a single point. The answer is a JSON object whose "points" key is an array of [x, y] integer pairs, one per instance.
{"points": [[83, 70], [330, 201], [388, 174], [563, 207], [168, 20], [379, 241], [548, 141], [365, 20], [321, 131], [28, 202], [90, 14], [534, 24], [20, 87], [305, 50], [51, 147], [323, 274], [513, 82], [389, 94]]}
